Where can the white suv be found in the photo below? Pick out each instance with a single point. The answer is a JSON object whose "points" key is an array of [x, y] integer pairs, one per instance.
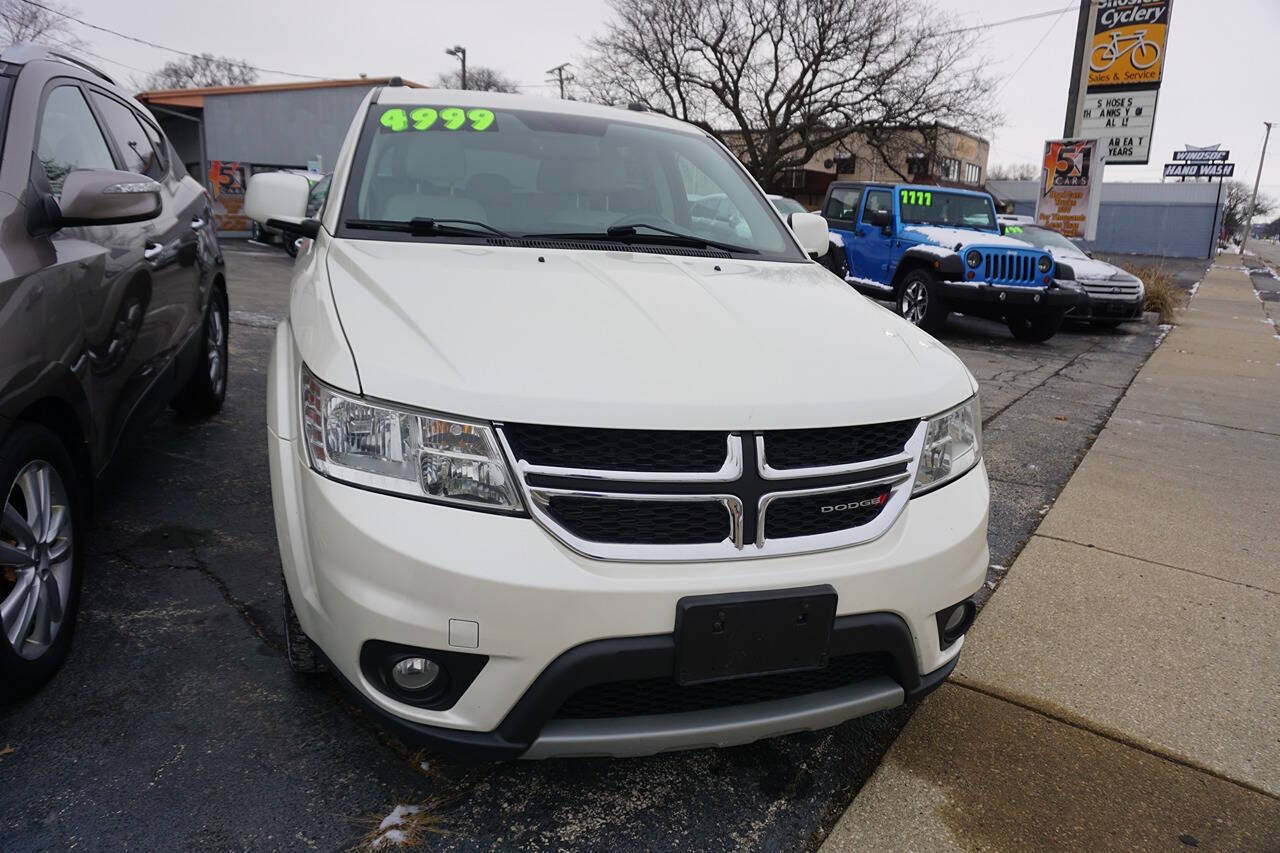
{"points": [[561, 468]]}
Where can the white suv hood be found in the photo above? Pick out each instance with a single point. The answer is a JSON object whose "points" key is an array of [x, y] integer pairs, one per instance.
{"points": [[621, 339]]}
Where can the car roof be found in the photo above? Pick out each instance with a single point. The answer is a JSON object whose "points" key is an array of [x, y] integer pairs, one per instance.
{"points": [[24, 53], [537, 103]]}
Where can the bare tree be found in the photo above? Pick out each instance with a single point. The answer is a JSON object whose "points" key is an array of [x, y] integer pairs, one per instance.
{"points": [[780, 80], [50, 25], [480, 78], [1235, 204], [1014, 172], [203, 70]]}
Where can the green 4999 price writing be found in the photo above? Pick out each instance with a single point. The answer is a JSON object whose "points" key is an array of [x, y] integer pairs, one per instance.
{"points": [[397, 119]]}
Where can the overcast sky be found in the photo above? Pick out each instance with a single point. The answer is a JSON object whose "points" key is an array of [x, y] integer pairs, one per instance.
{"points": [[1220, 77]]}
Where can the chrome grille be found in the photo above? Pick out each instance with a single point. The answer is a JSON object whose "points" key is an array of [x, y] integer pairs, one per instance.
{"points": [[842, 486], [1111, 289]]}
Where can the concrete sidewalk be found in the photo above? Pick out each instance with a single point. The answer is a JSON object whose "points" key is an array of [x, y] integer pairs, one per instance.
{"points": [[1122, 687]]}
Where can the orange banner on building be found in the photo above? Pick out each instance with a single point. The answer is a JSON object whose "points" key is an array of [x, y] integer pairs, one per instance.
{"points": [[1129, 39]]}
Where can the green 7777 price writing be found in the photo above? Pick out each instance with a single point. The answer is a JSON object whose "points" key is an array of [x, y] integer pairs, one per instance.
{"points": [[397, 119], [920, 198]]}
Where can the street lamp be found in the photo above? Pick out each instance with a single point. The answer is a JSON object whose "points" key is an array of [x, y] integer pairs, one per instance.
{"points": [[460, 52]]}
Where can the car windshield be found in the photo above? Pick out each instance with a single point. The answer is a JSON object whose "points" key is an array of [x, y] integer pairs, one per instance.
{"points": [[935, 207], [1043, 238], [786, 205], [526, 172]]}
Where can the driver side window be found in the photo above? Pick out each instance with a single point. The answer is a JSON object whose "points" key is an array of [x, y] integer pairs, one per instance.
{"points": [[877, 200], [69, 138]]}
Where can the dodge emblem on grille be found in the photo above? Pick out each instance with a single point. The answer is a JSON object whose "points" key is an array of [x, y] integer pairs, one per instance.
{"points": [[876, 501]]}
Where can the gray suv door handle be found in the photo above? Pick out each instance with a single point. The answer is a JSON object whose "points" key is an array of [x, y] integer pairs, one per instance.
{"points": [[197, 223], [152, 251]]}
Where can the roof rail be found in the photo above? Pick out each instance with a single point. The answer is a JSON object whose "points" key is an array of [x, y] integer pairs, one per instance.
{"points": [[77, 61]]}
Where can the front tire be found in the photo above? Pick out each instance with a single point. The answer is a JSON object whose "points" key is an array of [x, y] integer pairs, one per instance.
{"points": [[304, 655], [40, 557], [206, 390], [836, 261], [919, 302], [1035, 328]]}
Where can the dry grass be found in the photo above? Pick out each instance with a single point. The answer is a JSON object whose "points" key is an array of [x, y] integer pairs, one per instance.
{"points": [[1163, 293], [405, 827]]}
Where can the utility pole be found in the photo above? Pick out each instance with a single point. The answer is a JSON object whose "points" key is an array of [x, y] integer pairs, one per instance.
{"points": [[1076, 93], [558, 71], [1248, 220], [460, 52]]}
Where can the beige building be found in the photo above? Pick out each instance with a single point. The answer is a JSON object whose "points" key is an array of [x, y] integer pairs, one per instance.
{"points": [[935, 154]]}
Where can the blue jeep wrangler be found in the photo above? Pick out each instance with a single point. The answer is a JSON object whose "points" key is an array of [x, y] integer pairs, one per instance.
{"points": [[934, 250]]}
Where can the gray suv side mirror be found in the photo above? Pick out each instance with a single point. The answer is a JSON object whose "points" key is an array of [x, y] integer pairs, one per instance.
{"points": [[107, 197]]}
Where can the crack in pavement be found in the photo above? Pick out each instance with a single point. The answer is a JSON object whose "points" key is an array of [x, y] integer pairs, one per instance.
{"points": [[202, 568]]}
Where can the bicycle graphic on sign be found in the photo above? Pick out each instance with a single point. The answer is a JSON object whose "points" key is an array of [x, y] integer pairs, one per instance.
{"points": [[1146, 53]]}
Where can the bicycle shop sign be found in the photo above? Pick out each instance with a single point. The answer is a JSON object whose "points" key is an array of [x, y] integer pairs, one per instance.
{"points": [[1126, 52], [1128, 45]]}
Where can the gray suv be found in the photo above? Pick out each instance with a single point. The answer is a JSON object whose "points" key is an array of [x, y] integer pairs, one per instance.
{"points": [[112, 304]]}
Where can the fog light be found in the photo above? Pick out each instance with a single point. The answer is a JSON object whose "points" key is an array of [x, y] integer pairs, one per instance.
{"points": [[414, 674], [954, 621]]}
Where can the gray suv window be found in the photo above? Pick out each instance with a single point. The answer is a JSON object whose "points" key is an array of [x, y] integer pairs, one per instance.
{"points": [[69, 137], [132, 142]]}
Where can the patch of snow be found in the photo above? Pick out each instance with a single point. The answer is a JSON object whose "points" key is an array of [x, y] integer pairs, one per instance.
{"points": [[397, 816]]}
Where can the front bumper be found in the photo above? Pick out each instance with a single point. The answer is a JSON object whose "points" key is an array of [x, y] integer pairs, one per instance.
{"points": [[362, 566], [1096, 308], [988, 298]]}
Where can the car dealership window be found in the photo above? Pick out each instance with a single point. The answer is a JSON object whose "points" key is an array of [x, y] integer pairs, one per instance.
{"points": [[69, 137]]}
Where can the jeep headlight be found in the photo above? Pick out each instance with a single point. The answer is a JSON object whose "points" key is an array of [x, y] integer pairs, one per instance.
{"points": [[973, 259], [1044, 263], [416, 454], [952, 445]]}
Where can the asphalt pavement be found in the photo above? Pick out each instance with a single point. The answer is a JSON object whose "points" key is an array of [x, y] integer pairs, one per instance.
{"points": [[176, 722]]}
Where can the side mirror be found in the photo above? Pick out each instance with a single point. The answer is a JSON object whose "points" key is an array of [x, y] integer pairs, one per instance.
{"points": [[279, 199], [880, 218], [107, 197], [811, 230]]}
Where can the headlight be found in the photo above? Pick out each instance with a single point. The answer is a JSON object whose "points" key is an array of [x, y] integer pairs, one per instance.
{"points": [[952, 445], [408, 453], [973, 258], [1044, 263]]}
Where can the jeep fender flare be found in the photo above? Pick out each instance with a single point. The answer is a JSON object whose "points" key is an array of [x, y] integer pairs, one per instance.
{"points": [[945, 267]]}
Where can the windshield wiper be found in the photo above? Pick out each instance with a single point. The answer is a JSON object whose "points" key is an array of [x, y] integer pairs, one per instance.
{"points": [[629, 230], [424, 226], [628, 233]]}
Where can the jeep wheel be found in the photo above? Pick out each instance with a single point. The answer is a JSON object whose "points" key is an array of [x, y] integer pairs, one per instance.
{"points": [[919, 303], [40, 557], [1035, 328], [836, 261]]}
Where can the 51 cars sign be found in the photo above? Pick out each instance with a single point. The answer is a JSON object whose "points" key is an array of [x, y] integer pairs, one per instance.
{"points": [[1071, 186]]}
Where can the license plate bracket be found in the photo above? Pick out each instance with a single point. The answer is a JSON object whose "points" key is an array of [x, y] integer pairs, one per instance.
{"points": [[739, 635]]}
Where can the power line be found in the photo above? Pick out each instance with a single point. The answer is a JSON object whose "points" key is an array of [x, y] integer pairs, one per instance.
{"points": [[1033, 50], [1016, 20], [156, 45]]}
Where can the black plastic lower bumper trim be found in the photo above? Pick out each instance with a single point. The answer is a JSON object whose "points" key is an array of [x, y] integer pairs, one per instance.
{"points": [[625, 658]]}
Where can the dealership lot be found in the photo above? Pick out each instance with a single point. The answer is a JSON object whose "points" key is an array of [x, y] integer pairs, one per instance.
{"points": [[176, 721]]}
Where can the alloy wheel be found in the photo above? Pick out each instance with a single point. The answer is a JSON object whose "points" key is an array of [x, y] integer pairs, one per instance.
{"points": [[36, 555], [215, 348], [915, 302]]}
